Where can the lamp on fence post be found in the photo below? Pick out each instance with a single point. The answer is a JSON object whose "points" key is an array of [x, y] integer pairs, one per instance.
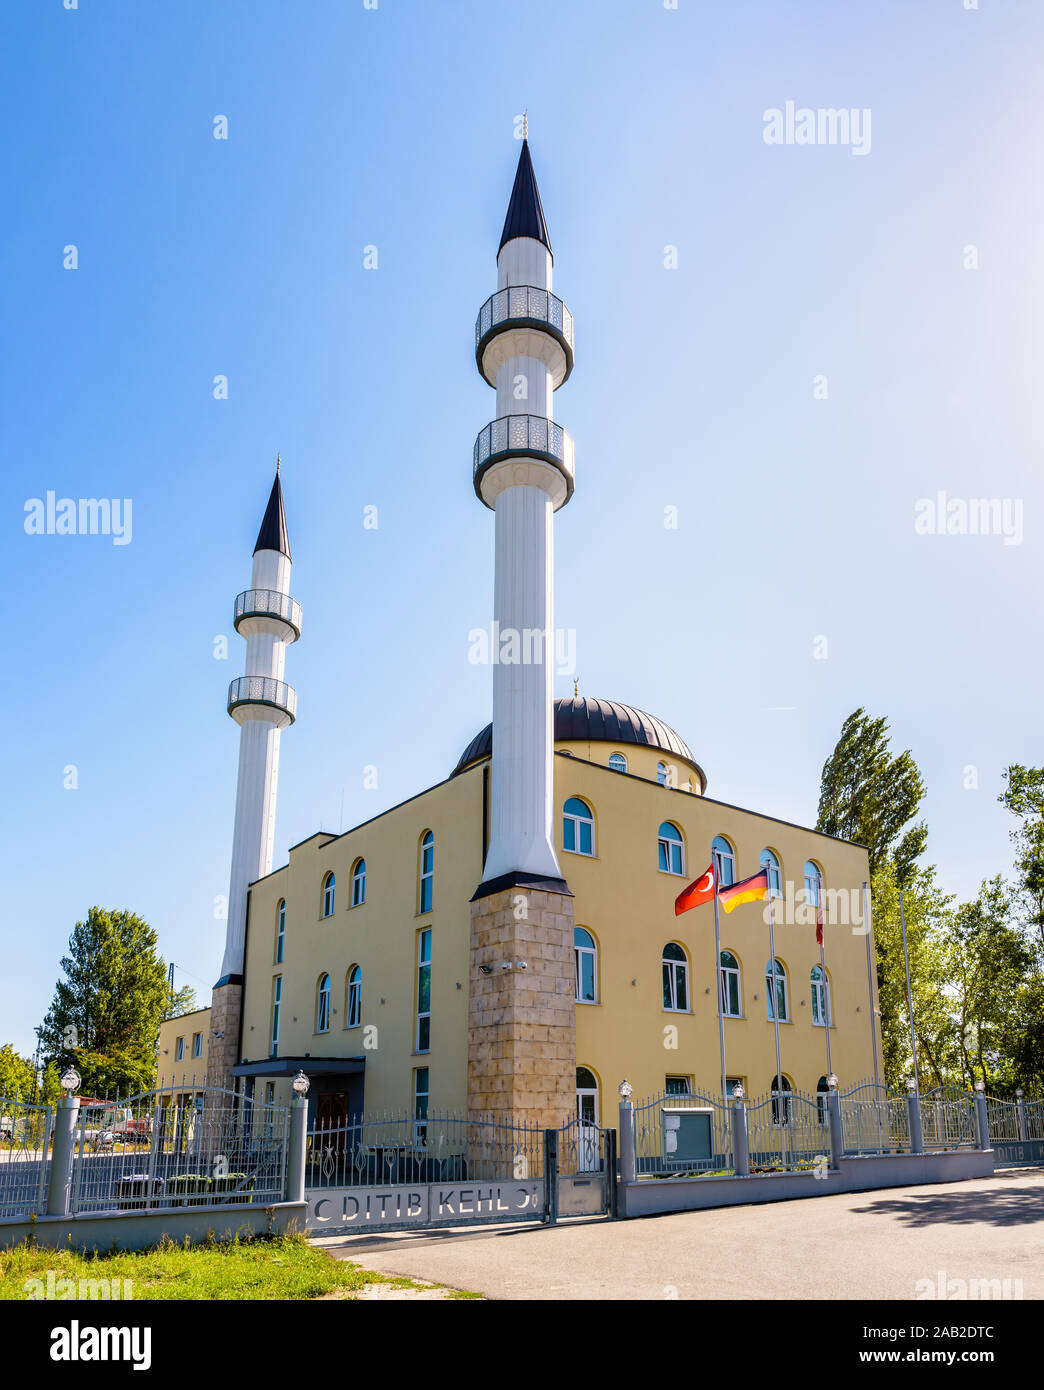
{"points": [[59, 1186], [913, 1106], [1021, 1112], [837, 1142], [740, 1151], [982, 1121], [628, 1155], [295, 1164]]}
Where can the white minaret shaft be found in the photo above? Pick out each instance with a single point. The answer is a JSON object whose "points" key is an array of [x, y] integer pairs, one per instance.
{"points": [[524, 471], [263, 705]]}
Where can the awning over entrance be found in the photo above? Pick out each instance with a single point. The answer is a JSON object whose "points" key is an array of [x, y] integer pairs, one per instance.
{"points": [[311, 1066]]}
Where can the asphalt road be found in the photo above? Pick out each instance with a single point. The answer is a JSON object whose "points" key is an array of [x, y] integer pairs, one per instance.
{"points": [[856, 1245]]}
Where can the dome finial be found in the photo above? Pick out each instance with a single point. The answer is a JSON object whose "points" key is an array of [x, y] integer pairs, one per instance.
{"points": [[525, 123], [576, 687], [279, 459]]}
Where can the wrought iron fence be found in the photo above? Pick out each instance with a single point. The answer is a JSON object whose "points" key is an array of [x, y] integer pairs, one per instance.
{"points": [[661, 1146], [1003, 1119], [874, 1120], [1034, 1111], [948, 1118], [581, 1148], [787, 1129], [207, 1147], [443, 1146], [25, 1136]]}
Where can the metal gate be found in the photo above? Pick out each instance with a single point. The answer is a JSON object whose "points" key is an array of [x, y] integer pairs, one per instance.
{"points": [[583, 1164]]}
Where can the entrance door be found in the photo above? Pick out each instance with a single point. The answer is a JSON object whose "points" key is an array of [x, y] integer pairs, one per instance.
{"points": [[588, 1135], [331, 1119]]}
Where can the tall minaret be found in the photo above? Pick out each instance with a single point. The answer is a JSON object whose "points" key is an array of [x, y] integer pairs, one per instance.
{"points": [[262, 705], [521, 1026]]}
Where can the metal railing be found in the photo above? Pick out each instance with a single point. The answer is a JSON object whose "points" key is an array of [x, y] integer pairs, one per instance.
{"points": [[874, 1120], [786, 1130], [443, 1146], [268, 603], [524, 304], [1003, 1119], [656, 1152], [263, 690], [25, 1136], [524, 434], [948, 1118], [206, 1147]]}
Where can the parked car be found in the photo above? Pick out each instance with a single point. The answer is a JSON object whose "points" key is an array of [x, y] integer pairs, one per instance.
{"points": [[6, 1129]]}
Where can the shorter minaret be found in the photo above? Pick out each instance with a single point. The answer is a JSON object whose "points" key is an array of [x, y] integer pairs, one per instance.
{"points": [[262, 704]]}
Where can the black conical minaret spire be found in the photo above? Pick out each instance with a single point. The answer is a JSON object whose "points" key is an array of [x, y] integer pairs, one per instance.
{"points": [[525, 214], [273, 534]]}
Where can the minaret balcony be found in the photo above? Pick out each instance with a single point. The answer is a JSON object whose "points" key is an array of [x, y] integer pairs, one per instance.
{"points": [[256, 608], [264, 691], [521, 438], [506, 323]]}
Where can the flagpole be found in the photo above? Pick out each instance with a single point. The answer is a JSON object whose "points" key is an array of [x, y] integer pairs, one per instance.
{"points": [[829, 1010], [717, 977], [870, 983], [772, 996], [909, 993]]}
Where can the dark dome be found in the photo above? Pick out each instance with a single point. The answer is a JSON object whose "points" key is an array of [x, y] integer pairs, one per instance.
{"points": [[582, 720]]}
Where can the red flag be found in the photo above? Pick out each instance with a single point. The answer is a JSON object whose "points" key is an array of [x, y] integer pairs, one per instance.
{"points": [[700, 891], [819, 918]]}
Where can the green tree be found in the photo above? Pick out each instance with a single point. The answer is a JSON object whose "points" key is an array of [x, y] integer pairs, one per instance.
{"points": [[868, 794], [106, 1011], [17, 1078], [1024, 798]]}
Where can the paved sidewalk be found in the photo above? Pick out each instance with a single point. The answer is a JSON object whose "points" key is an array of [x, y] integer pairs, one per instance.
{"points": [[854, 1245]]}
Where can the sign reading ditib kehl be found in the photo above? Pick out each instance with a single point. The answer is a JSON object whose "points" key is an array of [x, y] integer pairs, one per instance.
{"points": [[422, 1204]]}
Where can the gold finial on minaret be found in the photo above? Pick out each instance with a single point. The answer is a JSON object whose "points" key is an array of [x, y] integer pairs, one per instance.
{"points": [[279, 459], [525, 124], [576, 687]]}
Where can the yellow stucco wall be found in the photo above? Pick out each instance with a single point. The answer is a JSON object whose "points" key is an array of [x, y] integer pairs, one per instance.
{"points": [[190, 1070], [620, 897]]}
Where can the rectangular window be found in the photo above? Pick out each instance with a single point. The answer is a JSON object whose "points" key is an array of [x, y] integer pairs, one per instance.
{"points": [[197, 1044], [424, 990], [420, 1106], [179, 1050], [277, 995], [427, 877], [731, 1082], [280, 933], [678, 1086]]}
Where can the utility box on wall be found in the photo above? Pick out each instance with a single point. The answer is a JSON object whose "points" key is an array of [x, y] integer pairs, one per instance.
{"points": [[687, 1135]]}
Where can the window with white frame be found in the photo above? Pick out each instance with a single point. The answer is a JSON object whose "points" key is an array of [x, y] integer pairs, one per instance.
{"points": [[675, 978], [420, 1105], [678, 1086], [179, 1050], [820, 983], [577, 827], [329, 890], [424, 990], [197, 1044], [822, 1092], [813, 883], [776, 991], [617, 762], [427, 872], [322, 1005], [781, 1102], [724, 861], [359, 883], [353, 1008], [730, 985], [662, 775], [770, 862], [670, 849], [280, 930], [277, 997], [585, 954]]}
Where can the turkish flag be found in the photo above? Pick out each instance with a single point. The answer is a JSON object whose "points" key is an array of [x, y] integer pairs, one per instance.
{"points": [[700, 891]]}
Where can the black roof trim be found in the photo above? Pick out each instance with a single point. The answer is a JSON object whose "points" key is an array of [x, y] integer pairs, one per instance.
{"points": [[525, 214]]}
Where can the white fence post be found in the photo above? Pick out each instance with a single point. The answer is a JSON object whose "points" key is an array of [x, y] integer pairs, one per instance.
{"points": [[59, 1187]]}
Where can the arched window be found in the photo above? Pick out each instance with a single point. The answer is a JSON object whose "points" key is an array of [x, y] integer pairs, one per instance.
{"points": [[781, 1102], [280, 930], [577, 827], [329, 889], [353, 1004], [427, 871], [359, 883], [813, 883], [770, 861], [730, 985], [776, 990], [586, 1095], [617, 762], [670, 849], [675, 978], [322, 1005], [820, 982], [662, 774], [724, 861], [822, 1091], [586, 966]]}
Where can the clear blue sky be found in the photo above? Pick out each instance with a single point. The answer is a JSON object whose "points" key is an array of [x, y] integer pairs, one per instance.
{"points": [[692, 388]]}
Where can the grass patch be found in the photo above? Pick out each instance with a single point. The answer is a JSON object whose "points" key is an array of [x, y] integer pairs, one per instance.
{"points": [[265, 1267]]}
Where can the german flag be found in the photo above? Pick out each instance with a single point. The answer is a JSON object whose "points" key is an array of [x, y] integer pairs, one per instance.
{"points": [[748, 890]]}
